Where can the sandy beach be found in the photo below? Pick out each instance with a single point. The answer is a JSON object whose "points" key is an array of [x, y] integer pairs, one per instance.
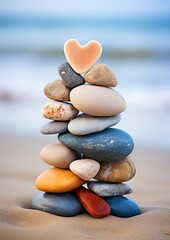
{"points": [[135, 41], [20, 165]]}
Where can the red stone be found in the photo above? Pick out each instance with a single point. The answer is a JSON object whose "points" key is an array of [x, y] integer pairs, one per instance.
{"points": [[95, 205]]}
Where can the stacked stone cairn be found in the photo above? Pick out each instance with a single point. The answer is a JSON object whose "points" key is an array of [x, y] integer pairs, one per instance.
{"points": [[90, 151]]}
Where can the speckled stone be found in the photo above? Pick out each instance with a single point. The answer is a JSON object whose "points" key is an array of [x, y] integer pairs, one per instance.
{"points": [[85, 168], [58, 155], [57, 90], [101, 75], [56, 180], [105, 189], [54, 127], [85, 124], [122, 206], [97, 100], [61, 204], [59, 111], [118, 171], [109, 145], [70, 78]]}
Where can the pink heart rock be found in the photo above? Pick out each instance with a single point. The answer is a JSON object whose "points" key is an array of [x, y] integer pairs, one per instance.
{"points": [[82, 57]]}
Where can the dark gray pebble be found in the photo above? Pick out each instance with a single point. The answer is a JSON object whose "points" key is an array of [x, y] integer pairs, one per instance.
{"points": [[70, 78]]}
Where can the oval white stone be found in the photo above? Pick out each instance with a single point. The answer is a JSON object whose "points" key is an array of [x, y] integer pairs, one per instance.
{"points": [[85, 168], [97, 100]]}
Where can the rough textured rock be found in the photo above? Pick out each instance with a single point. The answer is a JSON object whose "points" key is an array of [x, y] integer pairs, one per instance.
{"points": [[57, 90], [101, 75]]}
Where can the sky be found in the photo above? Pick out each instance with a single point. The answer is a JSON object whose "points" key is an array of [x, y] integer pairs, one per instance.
{"points": [[86, 7]]}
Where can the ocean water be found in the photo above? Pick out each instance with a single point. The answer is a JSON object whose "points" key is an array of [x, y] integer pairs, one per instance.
{"points": [[137, 50]]}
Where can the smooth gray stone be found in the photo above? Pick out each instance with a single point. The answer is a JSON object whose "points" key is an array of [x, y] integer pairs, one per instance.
{"points": [[61, 204], [54, 127], [104, 189], [70, 78], [109, 145], [84, 124]]}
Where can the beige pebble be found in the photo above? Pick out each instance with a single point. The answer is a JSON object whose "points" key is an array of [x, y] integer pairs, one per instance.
{"points": [[101, 75], [56, 90], [59, 111], [85, 168], [119, 171], [97, 100], [58, 155]]}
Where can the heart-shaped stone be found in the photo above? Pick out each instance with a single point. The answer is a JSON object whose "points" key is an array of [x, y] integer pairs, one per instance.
{"points": [[82, 57]]}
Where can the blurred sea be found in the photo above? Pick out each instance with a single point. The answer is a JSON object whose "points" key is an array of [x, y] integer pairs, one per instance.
{"points": [[136, 48]]}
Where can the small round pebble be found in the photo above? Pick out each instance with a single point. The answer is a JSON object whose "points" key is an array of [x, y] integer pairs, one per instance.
{"points": [[117, 171], [70, 78], [122, 206], [85, 124], [85, 168], [59, 111], [57, 90], [97, 100], [101, 75], [61, 204], [105, 189], [54, 127], [58, 155]]}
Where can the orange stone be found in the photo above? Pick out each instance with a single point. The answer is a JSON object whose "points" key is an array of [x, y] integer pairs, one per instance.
{"points": [[81, 58], [95, 205], [56, 180]]}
